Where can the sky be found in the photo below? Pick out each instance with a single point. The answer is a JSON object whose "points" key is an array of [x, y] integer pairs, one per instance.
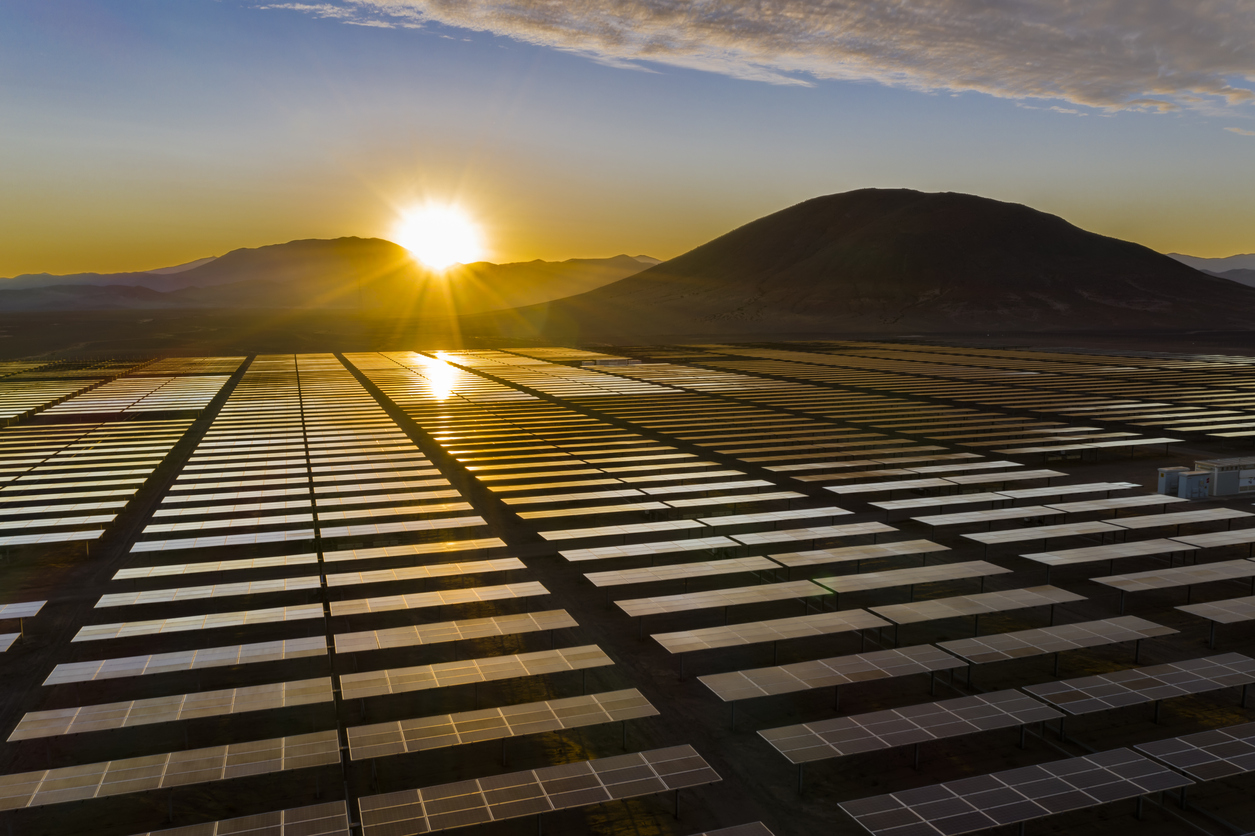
{"points": [[146, 133]]}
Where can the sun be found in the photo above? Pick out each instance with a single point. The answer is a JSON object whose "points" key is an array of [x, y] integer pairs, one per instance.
{"points": [[439, 236]]}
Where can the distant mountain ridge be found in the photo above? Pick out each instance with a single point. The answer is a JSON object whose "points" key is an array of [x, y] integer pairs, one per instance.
{"points": [[898, 260], [1245, 261], [1246, 277], [349, 273]]}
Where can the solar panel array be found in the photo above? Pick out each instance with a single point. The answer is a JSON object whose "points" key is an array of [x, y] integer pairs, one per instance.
{"points": [[361, 576]]}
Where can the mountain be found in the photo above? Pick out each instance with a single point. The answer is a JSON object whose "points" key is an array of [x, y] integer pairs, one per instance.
{"points": [[1217, 265], [896, 260], [1246, 277], [346, 273], [181, 268]]}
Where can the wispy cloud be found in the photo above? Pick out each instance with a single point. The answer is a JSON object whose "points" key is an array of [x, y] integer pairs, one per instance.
{"points": [[1111, 54], [1242, 131]]}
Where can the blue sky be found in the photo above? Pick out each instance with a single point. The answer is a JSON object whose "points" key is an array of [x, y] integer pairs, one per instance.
{"points": [[138, 134]]}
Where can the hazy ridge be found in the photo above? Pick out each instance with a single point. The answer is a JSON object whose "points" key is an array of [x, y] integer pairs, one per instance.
{"points": [[345, 273]]}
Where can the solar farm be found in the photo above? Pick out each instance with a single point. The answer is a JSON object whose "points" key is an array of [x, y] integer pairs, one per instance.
{"points": [[905, 589]]}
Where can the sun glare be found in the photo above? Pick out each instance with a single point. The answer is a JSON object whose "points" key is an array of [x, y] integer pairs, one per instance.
{"points": [[439, 236], [440, 376]]}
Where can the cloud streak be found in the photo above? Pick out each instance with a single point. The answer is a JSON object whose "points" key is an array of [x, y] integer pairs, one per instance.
{"points": [[1109, 54]]}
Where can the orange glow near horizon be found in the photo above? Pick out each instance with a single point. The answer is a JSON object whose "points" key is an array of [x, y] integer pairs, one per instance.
{"points": [[440, 235]]}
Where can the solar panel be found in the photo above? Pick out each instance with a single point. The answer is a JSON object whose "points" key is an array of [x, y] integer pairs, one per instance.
{"points": [[438, 598], [50, 537], [186, 660], [912, 724], [1179, 518], [1179, 576], [1216, 539], [732, 500], [195, 593], [825, 673], [446, 547], [655, 548], [621, 530], [425, 733], [1016, 795], [998, 496], [857, 554], [366, 529], [118, 715], [533, 792], [451, 631], [1109, 552], [814, 533], [711, 486], [7, 640], [465, 671], [95, 632], [947, 481], [1042, 532], [167, 569], [774, 516], [1208, 755], [1141, 685], [755, 632], [170, 769], [988, 515], [984, 602], [223, 540], [681, 571], [912, 576], [21, 609], [431, 570], [712, 598], [1019, 644]]}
